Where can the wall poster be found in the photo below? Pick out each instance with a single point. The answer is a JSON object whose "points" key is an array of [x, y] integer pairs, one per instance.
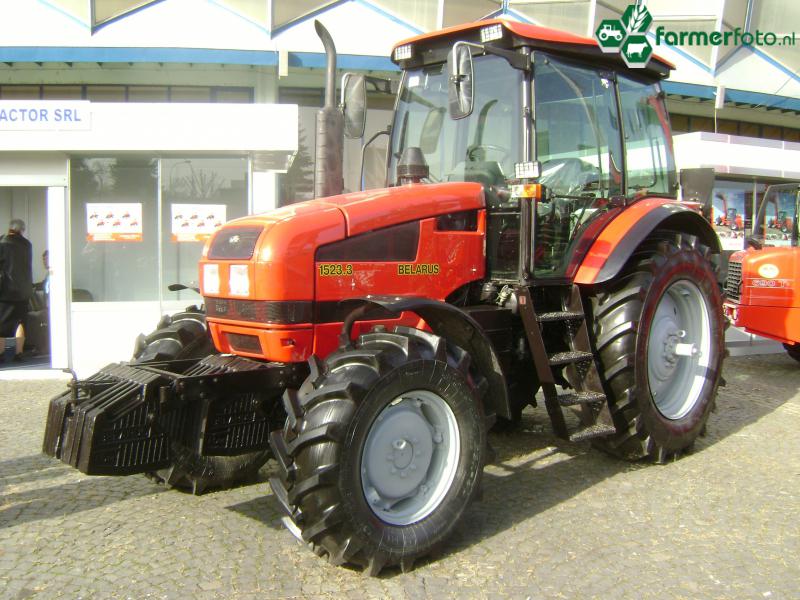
{"points": [[728, 217], [114, 222], [195, 222]]}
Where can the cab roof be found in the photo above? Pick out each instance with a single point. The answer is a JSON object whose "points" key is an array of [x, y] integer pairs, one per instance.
{"points": [[538, 37]]}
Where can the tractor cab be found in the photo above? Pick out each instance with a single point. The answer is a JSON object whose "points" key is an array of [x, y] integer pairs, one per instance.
{"points": [[478, 100], [777, 220]]}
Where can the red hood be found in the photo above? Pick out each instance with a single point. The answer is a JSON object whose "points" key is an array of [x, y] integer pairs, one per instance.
{"points": [[375, 209]]}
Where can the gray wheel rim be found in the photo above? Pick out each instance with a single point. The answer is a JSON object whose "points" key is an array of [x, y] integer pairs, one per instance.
{"points": [[679, 349], [410, 457]]}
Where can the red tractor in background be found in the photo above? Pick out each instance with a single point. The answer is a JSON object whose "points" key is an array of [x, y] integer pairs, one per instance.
{"points": [[725, 216], [529, 238], [762, 291]]}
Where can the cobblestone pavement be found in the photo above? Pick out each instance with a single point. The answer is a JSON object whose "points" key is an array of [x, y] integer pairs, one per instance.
{"points": [[556, 521]]}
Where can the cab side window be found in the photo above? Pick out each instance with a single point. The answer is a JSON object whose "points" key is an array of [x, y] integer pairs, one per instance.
{"points": [[578, 142], [648, 144], [577, 130]]}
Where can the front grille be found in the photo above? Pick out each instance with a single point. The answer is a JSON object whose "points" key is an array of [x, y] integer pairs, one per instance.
{"points": [[733, 284], [286, 312], [234, 243]]}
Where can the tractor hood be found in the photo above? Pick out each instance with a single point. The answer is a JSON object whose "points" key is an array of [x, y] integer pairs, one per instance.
{"points": [[275, 250], [376, 209]]}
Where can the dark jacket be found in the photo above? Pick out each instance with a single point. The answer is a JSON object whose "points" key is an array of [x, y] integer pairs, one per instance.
{"points": [[16, 268]]}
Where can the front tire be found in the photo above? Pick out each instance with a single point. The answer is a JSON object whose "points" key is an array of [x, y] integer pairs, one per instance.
{"points": [[383, 449], [658, 331], [183, 336], [793, 350]]}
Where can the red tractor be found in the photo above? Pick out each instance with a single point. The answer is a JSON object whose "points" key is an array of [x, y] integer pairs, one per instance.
{"points": [[762, 293], [528, 238]]}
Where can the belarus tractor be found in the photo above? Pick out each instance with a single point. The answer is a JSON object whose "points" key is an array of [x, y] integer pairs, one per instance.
{"points": [[763, 283], [528, 238]]}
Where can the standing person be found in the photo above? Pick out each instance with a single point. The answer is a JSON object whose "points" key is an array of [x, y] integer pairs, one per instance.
{"points": [[16, 278]]}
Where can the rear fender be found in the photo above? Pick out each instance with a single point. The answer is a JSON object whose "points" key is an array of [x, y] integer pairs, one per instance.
{"points": [[620, 238], [449, 322]]}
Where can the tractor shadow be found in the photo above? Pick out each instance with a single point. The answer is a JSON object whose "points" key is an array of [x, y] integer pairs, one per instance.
{"points": [[535, 471], [25, 496]]}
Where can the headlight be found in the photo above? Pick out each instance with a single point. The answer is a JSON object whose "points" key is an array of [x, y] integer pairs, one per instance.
{"points": [[491, 33], [211, 279], [403, 52], [238, 280]]}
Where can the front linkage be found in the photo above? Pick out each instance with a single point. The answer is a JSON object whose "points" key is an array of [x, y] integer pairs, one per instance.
{"points": [[128, 419]]}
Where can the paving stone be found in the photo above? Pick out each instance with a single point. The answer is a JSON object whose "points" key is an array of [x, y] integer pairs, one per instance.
{"points": [[556, 521]]}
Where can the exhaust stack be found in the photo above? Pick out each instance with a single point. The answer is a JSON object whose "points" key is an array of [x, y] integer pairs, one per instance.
{"points": [[328, 170]]}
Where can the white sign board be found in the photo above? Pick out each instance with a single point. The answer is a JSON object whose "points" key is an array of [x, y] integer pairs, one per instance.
{"points": [[45, 115]]}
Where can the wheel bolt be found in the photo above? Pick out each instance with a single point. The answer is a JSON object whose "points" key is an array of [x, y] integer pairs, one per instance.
{"points": [[403, 474], [392, 470], [413, 467]]}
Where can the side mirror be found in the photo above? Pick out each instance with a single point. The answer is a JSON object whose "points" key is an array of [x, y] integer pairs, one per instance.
{"points": [[354, 103], [459, 87]]}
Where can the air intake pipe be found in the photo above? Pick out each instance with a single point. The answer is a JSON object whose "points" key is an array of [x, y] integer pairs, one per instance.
{"points": [[328, 178]]}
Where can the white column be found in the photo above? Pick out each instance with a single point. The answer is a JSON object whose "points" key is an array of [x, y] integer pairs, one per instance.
{"points": [[265, 194], [58, 245]]}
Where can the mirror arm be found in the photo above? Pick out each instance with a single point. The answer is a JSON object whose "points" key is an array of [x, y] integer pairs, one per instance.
{"points": [[387, 131]]}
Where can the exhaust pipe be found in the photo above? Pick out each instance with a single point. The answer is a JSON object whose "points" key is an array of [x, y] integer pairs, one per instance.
{"points": [[328, 170]]}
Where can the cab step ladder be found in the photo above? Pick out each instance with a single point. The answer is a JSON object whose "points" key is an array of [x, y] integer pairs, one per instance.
{"points": [[578, 364]]}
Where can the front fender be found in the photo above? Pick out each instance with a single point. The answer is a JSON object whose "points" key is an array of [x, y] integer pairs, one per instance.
{"points": [[449, 322], [620, 238]]}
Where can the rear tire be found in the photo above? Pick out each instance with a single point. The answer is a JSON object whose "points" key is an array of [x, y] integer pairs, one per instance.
{"points": [[658, 332], [793, 350], [383, 449], [183, 336]]}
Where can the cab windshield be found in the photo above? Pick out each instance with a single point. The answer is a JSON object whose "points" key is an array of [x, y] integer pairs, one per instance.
{"points": [[776, 223], [482, 147]]}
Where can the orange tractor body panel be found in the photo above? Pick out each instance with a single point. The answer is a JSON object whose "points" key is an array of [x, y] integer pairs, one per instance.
{"points": [[769, 293], [763, 283], [286, 252]]}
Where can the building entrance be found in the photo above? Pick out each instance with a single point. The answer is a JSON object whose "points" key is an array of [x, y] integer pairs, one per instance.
{"points": [[31, 349]]}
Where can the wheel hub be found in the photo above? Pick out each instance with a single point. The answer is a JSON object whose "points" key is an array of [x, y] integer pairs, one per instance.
{"points": [[409, 458], [400, 452]]}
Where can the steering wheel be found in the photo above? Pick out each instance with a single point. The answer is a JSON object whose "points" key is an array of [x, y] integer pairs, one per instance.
{"points": [[477, 152]]}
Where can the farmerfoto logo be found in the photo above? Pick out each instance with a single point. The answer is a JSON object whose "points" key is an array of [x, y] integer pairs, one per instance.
{"points": [[627, 35]]}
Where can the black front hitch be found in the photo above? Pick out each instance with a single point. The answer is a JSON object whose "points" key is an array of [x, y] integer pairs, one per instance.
{"points": [[125, 418]]}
